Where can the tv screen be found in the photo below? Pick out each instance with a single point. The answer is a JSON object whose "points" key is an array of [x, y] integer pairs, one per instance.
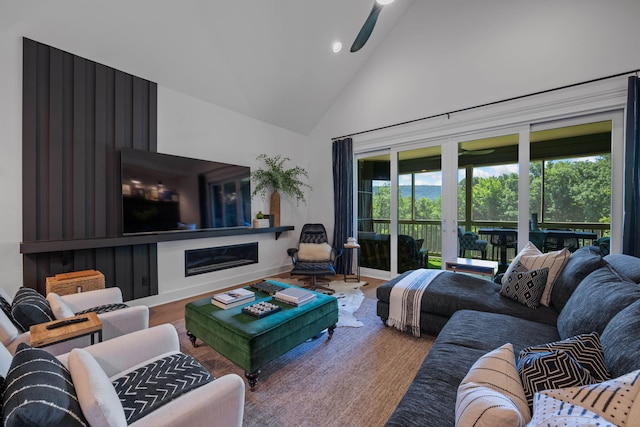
{"points": [[161, 192]]}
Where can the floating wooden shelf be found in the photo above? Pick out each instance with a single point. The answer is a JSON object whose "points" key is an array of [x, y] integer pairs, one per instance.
{"points": [[146, 238]]}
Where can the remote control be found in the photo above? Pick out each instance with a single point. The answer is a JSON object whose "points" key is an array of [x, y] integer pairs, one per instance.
{"points": [[67, 322]]}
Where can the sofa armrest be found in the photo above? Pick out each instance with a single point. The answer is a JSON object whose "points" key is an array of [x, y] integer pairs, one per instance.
{"points": [[124, 321], [126, 351], [220, 402], [84, 300]]}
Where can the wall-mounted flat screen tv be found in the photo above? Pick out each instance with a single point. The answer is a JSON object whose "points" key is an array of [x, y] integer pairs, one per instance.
{"points": [[162, 192]]}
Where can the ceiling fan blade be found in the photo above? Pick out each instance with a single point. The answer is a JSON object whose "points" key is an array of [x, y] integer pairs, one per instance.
{"points": [[367, 28]]}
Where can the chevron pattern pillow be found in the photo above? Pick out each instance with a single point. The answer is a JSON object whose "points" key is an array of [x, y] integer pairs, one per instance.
{"points": [[39, 391], [30, 308], [147, 388], [491, 393], [611, 403], [549, 370], [585, 349], [106, 308], [525, 286]]}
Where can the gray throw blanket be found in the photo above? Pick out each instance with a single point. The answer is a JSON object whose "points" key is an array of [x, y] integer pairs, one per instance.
{"points": [[405, 300]]}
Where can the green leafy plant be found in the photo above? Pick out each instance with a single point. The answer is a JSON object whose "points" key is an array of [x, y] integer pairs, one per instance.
{"points": [[275, 177]]}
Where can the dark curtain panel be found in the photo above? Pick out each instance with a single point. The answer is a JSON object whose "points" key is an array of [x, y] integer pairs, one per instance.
{"points": [[631, 222], [343, 199]]}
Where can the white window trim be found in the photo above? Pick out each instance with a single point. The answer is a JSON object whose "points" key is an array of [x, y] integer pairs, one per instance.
{"points": [[577, 103]]}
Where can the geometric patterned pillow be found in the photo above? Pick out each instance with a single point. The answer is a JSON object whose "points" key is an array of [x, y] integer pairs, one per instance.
{"points": [[585, 349], [525, 286], [616, 401], [548, 411], [30, 308], [491, 393], [549, 370], [39, 391]]}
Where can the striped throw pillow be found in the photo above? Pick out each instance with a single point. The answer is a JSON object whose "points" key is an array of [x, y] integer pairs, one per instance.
{"points": [[611, 403], [39, 391], [491, 393], [30, 308]]}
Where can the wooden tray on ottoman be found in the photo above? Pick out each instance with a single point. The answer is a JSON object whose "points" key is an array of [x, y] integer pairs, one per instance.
{"points": [[77, 281]]}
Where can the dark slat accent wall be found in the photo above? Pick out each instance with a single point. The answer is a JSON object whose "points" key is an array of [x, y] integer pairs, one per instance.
{"points": [[77, 114]]}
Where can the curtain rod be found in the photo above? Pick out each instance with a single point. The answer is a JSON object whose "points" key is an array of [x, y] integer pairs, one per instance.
{"points": [[489, 104]]}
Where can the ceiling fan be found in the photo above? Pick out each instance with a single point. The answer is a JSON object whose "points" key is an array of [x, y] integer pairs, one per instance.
{"points": [[368, 25]]}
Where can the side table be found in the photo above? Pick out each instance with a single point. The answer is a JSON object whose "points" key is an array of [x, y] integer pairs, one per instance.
{"points": [[40, 336], [473, 266], [353, 246]]}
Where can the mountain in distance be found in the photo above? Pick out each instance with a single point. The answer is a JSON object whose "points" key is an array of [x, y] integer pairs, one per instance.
{"points": [[431, 192]]}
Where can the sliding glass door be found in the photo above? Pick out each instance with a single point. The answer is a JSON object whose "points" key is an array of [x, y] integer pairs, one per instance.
{"points": [[556, 184], [419, 230]]}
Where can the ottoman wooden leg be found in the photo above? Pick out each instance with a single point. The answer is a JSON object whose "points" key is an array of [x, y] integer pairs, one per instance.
{"points": [[192, 338], [331, 329], [252, 378]]}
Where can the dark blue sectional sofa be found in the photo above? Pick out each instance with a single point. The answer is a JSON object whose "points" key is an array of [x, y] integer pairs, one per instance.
{"points": [[471, 318]]}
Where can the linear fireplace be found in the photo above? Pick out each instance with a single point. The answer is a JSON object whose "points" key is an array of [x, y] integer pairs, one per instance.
{"points": [[200, 261]]}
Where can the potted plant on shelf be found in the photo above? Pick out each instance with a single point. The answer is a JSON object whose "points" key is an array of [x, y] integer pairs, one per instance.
{"points": [[276, 178]]}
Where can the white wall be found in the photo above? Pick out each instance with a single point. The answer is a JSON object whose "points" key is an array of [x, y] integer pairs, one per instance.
{"points": [[194, 128], [448, 55], [187, 127]]}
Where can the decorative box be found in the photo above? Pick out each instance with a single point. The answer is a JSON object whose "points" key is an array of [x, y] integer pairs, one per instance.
{"points": [[261, 223], [74, 282]]}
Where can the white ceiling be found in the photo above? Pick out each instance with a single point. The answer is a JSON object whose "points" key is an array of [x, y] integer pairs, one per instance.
{"points": [[270, 60]]}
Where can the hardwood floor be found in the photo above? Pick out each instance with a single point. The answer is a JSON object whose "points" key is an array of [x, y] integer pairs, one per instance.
{"points": [[173, 311]]}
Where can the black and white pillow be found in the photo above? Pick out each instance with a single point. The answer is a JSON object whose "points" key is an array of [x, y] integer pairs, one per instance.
{"points": [[549, 370], [39, 391], [106, 308], [30, 308], [585, 349], [525, 286], [6, 308]]}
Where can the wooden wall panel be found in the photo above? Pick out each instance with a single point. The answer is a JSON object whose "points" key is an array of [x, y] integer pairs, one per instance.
{"points": [[77, 114]]}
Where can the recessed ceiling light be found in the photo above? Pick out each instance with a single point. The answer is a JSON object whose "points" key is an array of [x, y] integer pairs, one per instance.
{"points": [[336, 47], [384, 2]]}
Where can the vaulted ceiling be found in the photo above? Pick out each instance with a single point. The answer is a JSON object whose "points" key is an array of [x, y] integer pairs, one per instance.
{"points": [[269, 60]]}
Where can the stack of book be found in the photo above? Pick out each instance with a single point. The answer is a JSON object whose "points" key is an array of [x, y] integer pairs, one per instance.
{"points": [[233, 298], [294, 296]]}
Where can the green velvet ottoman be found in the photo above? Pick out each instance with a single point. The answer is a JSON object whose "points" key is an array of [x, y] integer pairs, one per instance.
{"points": [[251, 343]]}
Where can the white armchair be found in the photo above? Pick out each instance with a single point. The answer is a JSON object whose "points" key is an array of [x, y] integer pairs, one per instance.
{"points": [[114, 323], [216, 403]]}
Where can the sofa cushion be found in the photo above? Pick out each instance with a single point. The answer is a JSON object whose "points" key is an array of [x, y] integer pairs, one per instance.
{"points": [[585, 349], [525, 286], [551, 369], [616, 401], [627, 265], [30, 308], [491, 394], [59, 308], [39, 391], [97, 396], [466, 337], [598, 298], [621, 341], [581, 263], [451, 292]]}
